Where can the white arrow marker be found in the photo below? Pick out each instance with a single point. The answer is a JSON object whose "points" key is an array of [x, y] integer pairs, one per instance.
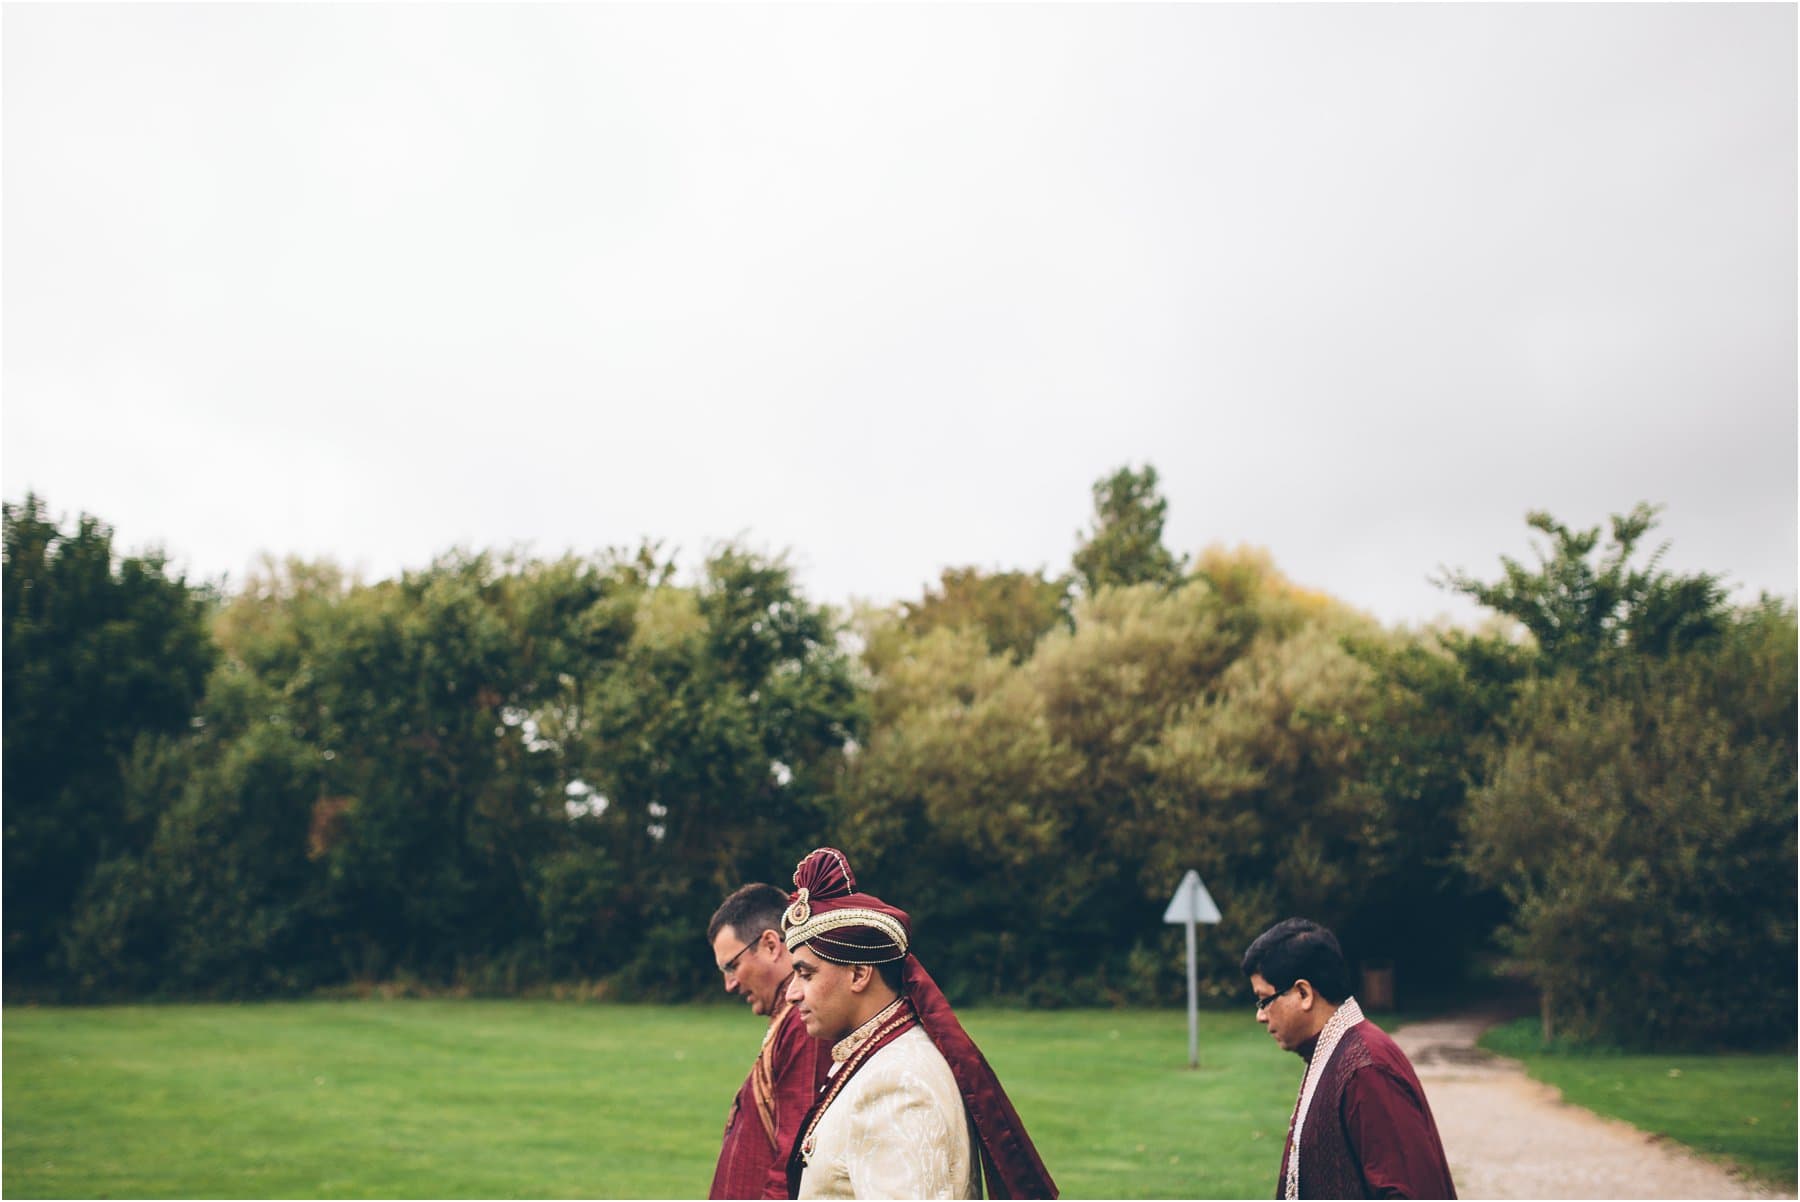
{"points": [[1192, 904]]}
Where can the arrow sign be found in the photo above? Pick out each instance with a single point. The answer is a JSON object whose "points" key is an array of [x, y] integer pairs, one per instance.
{"points": [[1192, 904]]}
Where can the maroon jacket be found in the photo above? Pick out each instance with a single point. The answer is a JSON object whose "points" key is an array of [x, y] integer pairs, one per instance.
{"points": [[1369, 1133], [765, 1116]]}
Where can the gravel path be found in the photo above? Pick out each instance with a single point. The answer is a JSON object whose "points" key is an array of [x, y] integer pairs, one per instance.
{"points": [[1508, 1136]]}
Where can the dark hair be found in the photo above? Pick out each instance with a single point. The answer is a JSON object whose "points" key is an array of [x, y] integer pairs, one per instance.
{"points": [[1297, 949], [891, 973], [750, 911]]}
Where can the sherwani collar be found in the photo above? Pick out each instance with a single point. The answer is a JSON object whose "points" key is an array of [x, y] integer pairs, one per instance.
{"points": [[847, 1047]]}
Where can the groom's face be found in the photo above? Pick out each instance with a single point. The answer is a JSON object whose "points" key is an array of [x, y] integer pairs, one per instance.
{"points": [[826, 994]]}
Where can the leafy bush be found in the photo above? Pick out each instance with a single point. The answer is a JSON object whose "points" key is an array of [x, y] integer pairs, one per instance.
{"points": [[1643, 828]]}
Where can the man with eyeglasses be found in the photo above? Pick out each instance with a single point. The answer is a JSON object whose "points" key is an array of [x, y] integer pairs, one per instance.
{"points": [[1361, 1126], [765, 1116]]}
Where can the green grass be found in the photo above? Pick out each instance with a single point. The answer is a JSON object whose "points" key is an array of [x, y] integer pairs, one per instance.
{"points": [[1734, 1108], [561, 1099]]}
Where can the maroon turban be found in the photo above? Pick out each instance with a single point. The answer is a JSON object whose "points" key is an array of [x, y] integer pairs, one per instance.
{"points": [[844, 927], [847, 927]]}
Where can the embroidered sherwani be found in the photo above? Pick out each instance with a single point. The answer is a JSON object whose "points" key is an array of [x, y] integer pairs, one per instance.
{"points": [[1368, 1132], [897, 1129], [765, 1116], [929, 1101]]}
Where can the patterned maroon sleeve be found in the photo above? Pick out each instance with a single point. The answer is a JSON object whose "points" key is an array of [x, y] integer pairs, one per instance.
{"points": [[801, 1063]]}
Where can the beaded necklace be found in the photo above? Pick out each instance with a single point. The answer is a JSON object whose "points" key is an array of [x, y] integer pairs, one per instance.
{"points": [[1346, 1016]]}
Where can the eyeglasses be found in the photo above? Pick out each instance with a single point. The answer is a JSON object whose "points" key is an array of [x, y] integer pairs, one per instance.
{"points": [[1263, 1003], [730, 966]]}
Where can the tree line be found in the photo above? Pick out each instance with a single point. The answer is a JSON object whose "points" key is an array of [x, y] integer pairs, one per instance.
{"points": [[500, 772]]}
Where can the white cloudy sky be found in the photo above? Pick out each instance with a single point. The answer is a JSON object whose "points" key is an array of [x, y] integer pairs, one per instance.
{"points": [[890, 286]]}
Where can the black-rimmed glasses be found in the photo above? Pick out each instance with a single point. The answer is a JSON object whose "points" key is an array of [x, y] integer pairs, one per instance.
{"points": [[1263, 1003], [730, 966]]}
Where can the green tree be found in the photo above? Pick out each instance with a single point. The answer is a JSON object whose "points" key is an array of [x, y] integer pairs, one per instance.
{"points": [[101, 651], [224, 900], [716, 742], [1012, 610], [963, 800], [1643, 829], [487, 772], [1419, 743], [419, 699], [1252, 780], [1042, 809], [450, 717], [1125, 544], [1630, 783], [1585, 610], [1586, 606]]}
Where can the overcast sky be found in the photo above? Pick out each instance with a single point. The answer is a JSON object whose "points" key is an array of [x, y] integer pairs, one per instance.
{"points": [[889, 287]]}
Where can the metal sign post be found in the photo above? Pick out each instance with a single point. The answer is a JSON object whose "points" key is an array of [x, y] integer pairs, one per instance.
{"points": [[1192, 904]]}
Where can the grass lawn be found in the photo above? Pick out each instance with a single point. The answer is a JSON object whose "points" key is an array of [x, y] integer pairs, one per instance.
{"points": [[1736, 1108], [563, 1099]]}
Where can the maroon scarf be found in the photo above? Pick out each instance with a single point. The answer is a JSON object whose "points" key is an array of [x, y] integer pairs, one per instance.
{"points": [[1009, 1160], [762, 1073]]}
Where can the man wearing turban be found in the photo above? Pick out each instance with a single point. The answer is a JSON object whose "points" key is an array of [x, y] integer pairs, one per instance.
{"points": [[911, 1108]]}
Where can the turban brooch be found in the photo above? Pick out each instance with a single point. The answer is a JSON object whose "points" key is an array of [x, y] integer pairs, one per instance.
{"points": [[842, 925]]}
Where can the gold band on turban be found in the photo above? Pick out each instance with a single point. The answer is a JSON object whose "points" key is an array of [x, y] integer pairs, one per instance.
{"points": [[804, 930]]}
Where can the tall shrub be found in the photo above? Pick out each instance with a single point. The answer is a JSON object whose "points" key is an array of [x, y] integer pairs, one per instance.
{"points": [[1644, 831]]}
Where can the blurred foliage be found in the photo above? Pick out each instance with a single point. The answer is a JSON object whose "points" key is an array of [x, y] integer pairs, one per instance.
{"points": [[1039, 811], [1628, 786], [1125, 544], [1642, 830], [102, 653], [1011, 610], [487, 774], [497, 772]]}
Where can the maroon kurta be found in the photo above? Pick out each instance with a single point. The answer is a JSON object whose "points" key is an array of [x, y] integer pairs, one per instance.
{"points": [[1369, 1133], [764, 1122]]}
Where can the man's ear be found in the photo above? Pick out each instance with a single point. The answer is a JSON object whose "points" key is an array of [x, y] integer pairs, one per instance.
{"points": [[860, 976], [1305, 993]]}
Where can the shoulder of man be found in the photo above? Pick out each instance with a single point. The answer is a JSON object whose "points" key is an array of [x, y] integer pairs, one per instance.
{"points": [[1369, 1058], [1377, 1049], [914, 1060], [904, 1128], [910, 1067]]}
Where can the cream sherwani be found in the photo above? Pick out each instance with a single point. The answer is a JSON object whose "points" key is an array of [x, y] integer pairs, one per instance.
{"points": [[898, 1129]]}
